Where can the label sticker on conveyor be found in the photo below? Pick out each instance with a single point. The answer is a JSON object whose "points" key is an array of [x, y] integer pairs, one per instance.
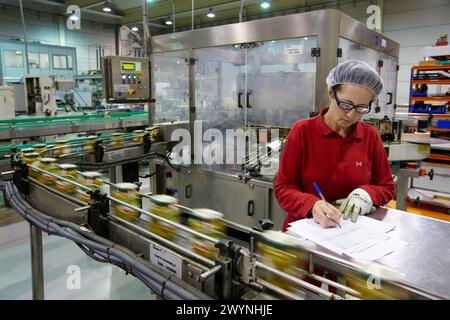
{"points": [[165, 260]]}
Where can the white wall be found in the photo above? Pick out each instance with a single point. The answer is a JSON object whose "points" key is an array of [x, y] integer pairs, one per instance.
{"points": [[48, 29], [414, 24]]}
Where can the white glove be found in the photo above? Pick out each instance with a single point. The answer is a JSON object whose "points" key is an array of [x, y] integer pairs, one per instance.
{"points": [[358, 202]]}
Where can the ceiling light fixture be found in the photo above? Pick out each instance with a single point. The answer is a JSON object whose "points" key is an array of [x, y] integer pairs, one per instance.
{"points": [[265, 4], [168, 21], [135, 29]]}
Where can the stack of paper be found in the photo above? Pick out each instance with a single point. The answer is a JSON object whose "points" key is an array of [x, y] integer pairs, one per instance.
{"points": [[367, 239]]}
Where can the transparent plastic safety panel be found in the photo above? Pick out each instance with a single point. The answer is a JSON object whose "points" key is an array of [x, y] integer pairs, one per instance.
{"points": [[388, 72], [280, 79], [352, 50], [171, 86], [219, 103]]}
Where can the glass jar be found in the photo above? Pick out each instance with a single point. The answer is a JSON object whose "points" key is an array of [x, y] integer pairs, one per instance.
{"points": [[163, 206], [61, 148], [281, 251], [50, 165], [39, 147], [117, 140], [30, 158], [208, 222], [89, 143], [138, 136], [128, 193], [68, 169], [91, 178], [65, 186]]}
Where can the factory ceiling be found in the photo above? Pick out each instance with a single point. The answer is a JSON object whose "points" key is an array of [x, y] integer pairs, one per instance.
{"points": [[130, 12]]}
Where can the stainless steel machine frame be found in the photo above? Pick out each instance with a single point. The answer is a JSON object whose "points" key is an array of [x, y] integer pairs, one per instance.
{"points": [[337, 37], [327, 25]]}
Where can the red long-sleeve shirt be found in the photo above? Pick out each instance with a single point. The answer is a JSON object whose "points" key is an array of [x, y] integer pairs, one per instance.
{"points": [[315, 153]]}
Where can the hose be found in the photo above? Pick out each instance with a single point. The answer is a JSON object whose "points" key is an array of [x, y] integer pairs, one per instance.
{"points": [[161, 282]]}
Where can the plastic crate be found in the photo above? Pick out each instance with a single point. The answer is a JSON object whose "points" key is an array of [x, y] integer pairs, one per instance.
{"points": [[423, 108], [443, 124], [437, 109]]}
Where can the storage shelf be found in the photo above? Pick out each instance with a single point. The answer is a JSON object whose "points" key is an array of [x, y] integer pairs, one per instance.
{"points": [[431, 98], [436, 67], [431, 81]]}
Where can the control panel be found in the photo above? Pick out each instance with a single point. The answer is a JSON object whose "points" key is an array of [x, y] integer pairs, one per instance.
{"points": [[126, 79]]}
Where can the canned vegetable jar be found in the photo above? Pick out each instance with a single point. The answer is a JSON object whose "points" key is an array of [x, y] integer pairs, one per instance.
{"points": [[30, 158], [89, 143], [61, 148], [138, 136], [281, 251], [117, 140], [128, 193], [50, 165], [91, 178], [208, 222], [163, 206]]}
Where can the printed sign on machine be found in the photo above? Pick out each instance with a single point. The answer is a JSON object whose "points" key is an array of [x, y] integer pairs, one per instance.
{"points": [[165, 260]]}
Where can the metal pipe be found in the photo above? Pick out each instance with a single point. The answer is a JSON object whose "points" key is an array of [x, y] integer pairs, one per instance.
{"points": [[297, 281], [278, 290], [192, 15], [25, 37], [240, 11], [145, 29], [37, 267], [173, 16], [205, 275]]}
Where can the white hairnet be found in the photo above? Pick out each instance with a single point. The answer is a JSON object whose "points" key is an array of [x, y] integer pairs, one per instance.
{"points": [[358, 73]]}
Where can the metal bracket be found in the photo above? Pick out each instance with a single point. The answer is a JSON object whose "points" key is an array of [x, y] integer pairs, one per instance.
{"points": [[380, 63], [19, 177], [99, 151], [190, 61], [97, 213], [147, 142], [315, 52], [339, 52]]}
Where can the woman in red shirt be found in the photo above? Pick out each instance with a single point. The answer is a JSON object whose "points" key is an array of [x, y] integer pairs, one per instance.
{"points": [[343, 155]]}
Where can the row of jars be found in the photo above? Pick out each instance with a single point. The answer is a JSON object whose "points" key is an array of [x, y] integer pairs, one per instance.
{"points": [[63, 147]]}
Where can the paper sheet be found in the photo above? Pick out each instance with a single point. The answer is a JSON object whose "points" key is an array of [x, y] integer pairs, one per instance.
{"points": [[368, 239]]}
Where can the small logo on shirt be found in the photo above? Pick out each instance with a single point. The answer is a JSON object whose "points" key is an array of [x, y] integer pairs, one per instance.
{"points": [[359, 163]]}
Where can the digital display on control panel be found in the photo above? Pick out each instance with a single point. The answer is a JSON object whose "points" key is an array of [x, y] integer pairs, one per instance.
{"points": [[128, 66]]}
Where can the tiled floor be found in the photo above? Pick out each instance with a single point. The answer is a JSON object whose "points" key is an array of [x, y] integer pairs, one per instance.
{"points": [[97, 280]]}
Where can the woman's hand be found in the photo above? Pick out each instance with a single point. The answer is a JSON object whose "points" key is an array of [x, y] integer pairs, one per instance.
{"points": [[325, 214]]}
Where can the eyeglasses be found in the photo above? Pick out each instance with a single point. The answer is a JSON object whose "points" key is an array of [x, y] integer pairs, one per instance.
{"points": [[363, 109]]}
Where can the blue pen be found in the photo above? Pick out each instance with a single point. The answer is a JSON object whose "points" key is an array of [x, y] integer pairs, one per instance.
{"points": [[323, 198]]}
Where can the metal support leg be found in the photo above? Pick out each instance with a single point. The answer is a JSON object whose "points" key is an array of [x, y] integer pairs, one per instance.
{"points": [[37, 266], [403, 185]]}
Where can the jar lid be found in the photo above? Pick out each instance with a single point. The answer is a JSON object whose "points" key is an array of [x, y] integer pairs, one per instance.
{"points": [[117, 134], [138, 131], [91, 174], [48, 160], [163, 199], [28, 150], [92, 137], [31, 155], [126, 186], [206, 214], [67, 166]]}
